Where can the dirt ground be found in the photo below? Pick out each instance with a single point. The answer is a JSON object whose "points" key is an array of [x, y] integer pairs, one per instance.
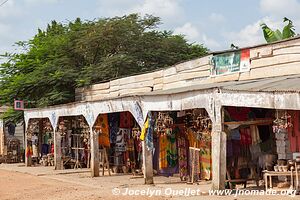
{"points": [[19, 186], [16, 185]]}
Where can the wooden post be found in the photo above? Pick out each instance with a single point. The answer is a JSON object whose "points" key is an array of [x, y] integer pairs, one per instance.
{"points": [[218, 150], [147, 164], [94, 153], [57, 151]]}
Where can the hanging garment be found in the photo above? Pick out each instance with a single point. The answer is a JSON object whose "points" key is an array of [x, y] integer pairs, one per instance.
{"points": [[235, 134], [35, 152], [29, 151], [245, 136], [182, 157], [144, 130], [172, 155], [121, 140], [194, 163], [114, 120], [126, 120], [149, 136], [294, 132], [205, 160], [238, 113], [103, 128], [163, 145], [255, 134]]}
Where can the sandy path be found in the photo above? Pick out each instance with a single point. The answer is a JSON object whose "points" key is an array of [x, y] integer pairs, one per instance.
{"points": [[19, 186]]}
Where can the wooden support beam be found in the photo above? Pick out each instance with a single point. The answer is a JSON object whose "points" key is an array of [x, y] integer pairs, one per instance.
{"points": [[218, 150], [57, 151], [147, 164], [94, 153]]}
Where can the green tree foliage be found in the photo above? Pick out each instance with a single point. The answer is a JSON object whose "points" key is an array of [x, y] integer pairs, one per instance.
{"points": [[65, 56], [272, 36]]}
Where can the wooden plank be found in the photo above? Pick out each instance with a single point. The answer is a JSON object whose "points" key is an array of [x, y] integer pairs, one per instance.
{"points": [[295, 49], [192, 64], [272, 71], [227, 77], [169, 71], [185, 76], [261, 52], [275, 60], [149, 83], [173, 85], [158, 87], [158, 81], [250, 122], [114, 82], [135, 91], [197, 69]]}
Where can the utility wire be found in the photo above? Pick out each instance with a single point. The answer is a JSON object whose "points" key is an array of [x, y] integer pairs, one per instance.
{"points": [[3, 3]]}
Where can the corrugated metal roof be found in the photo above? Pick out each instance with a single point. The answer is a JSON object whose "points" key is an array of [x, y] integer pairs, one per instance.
{"points": [[275, 84]]}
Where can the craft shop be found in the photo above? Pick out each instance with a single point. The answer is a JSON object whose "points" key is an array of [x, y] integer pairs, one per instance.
{"points": [[120, 145], [260, 141], [39, 143], [181, 143]]}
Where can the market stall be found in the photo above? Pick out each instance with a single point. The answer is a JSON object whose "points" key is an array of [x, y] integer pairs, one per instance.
{"points": [[181, 143]]}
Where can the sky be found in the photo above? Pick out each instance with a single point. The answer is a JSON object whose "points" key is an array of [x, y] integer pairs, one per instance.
{"points": [[215, 23]]}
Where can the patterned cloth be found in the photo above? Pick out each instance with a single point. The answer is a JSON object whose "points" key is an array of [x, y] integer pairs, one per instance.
{"points": [[163, 145], [114, 120], [182, 157], [121, 140], [149, 136], [103, 128], [194, 163], [126, 120]]}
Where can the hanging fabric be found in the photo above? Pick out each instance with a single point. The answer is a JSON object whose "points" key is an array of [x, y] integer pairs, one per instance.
{"points": [[150, 129], [103, 128], [114, 120], [126, 120]]}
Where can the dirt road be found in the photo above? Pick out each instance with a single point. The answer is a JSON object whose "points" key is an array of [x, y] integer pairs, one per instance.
{"points": [[19, 186]]}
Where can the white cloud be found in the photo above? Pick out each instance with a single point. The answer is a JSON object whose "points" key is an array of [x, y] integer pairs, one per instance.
{"points": [[280, 7], [164, 9], [10, 9], [35, 2], [188, 30], [251, 34], [192, 34], [169, 10], [217, 18], [211, 43]]}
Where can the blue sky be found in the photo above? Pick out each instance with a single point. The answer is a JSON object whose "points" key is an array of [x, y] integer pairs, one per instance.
{"points": [[214, 23]]}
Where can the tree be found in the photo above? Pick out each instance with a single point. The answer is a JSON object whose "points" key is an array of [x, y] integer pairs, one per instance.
{"points": [[65, 56], [272, 36]]}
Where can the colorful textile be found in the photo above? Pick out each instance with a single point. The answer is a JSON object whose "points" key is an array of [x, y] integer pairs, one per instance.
{"points": [[103, 128], [294, 133], [126, 120], [194, 163], [238, 114], [182, 157], [144, 130], [245, 136], [114, 120], [163, 145], [172, 156], [121, 140], [149, 136], [205, 160], [29, 151], [235, 134]]}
